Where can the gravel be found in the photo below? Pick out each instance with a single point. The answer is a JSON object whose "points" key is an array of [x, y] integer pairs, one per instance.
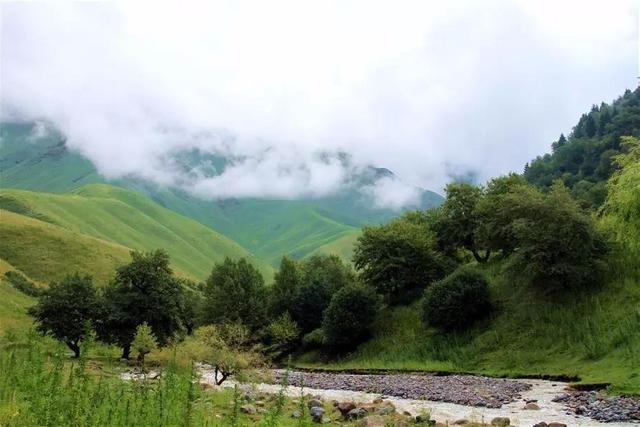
{"points": [[602, 407], [461, 389]]}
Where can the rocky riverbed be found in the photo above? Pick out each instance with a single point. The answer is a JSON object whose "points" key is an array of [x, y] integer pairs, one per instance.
{"points": [[467, 390], [600, 406]]}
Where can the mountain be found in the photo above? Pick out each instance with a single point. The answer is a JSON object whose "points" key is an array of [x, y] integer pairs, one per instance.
{"points": [[267, 228], [583, 160], [120, 216]]}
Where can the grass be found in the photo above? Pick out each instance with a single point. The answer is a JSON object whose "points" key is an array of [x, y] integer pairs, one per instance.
{"points": [[129, 219], [13, 309], [594, 336]]}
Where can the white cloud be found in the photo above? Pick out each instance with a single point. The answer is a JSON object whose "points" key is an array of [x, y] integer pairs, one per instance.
{"points": [[421, 88]]}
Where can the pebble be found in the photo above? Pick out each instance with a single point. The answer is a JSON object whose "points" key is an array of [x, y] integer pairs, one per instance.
{"points": [[602, 407]]}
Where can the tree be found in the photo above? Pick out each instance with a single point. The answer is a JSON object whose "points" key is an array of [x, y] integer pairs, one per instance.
{"points": [[459, 220], [322, 276], [457, 301], [225, 347], [67, 309], [558, 245], [144, 290], [284, 334], [399, 258], [235, 292], [144, 341], [349, 316], [286, 284]]}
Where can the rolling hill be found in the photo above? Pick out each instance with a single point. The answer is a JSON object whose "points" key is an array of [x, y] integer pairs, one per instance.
{"points": [[124, 218], [266, 228]]}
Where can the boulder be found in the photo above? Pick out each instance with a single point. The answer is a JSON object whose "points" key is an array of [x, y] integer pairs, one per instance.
{"points": [[555, 424], [345, 407], [532, 406], [248, 409], [314, 403], [541, 424], [501, 422], [356, 413], [372, 421], [316, 413]]}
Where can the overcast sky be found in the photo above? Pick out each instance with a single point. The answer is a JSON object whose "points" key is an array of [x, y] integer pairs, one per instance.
{"points": [[427, 89]]}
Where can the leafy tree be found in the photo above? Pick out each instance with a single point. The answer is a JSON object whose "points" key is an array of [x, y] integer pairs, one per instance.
{"points": [[67, 309], [144, 341], [399, 258], [322, 276], [225, 347], [284, 334], [287, 282], [558, 245], [457, 301], [144, 290], [348, 318], [235, 292], [459, 220]]}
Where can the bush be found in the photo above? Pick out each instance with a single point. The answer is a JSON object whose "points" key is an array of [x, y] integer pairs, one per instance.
{"points": [[284, 334], [21, 283], [347, 319], [314, 339], [457, 301]]}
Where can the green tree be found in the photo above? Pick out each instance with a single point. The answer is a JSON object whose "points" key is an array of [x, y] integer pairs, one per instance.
{"points": [[66, 309], [235, 292], [459, 220], [144, 341], [457, 301], [286, 284], [144, 290], [284, 334], [400, 258], [322, 276], [349, 316]]}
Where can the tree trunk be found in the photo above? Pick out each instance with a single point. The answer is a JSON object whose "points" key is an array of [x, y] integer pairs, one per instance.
{"points": [[126, 352], [75, 348]]}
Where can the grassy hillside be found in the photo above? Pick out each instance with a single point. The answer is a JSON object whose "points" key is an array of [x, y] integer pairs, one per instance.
{"points": [[594, 336], [47, 252], [13, 304], [343, 246], [129, 219]]}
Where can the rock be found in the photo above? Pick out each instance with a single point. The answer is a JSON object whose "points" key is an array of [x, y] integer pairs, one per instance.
{"points": [[531, 406], [345, 407], [501, 422], [260, 403], [554, 424], [316, 413], [377, 401], [356, 413], [314, 403], [541, 424], [385, 410], [248, 409], [296, 414], [461, 422], [372, 421]]}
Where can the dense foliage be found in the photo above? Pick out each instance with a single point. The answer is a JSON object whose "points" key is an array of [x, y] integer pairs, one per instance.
{"points": [[585, 160], [144, 290], [457, 301], [399, 258], [235, 292], [68, 310], [348, 318], [21, 283]]}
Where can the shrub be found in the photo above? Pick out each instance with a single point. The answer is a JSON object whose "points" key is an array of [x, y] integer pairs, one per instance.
{"points": [[21, 283], [144, 341], [284, 333], [457, 301], [347, 319], [314, 339]]}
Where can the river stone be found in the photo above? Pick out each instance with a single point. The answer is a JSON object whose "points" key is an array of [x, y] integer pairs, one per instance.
{"points": [[316, 414], [531, 406], [541, 424], [248, 409], [314, 403], [554, 424], [372, 421], [345, 407], [501, 422], [356, 413]]}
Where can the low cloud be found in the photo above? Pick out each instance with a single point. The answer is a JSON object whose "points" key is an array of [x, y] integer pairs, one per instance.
{"points": [[427, 89]]}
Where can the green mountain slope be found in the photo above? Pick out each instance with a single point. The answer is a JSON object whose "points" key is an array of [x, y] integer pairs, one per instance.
{"points": [[267, 228], [13, 304], [130, 219]]}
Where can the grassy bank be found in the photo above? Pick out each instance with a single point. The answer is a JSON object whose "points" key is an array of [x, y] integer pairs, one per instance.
{"points": [[591, 335]]}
